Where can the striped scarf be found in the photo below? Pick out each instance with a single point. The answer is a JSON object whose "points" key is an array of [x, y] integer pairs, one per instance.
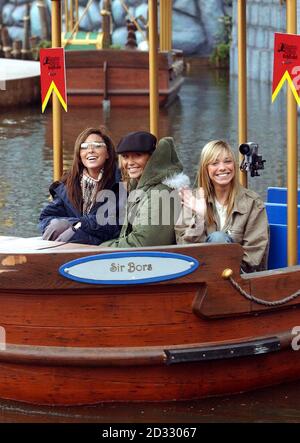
{"points": [[89, 188]]}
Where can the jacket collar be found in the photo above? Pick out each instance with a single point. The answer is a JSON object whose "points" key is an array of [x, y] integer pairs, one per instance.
{"points": [[239, 203]]}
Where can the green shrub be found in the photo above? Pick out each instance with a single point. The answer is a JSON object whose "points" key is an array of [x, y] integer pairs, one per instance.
{"points": [[36, 50], [220, 56]]}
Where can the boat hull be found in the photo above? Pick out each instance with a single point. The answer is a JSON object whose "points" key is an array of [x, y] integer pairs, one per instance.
{"points": [[60, 385], [71, 343]]}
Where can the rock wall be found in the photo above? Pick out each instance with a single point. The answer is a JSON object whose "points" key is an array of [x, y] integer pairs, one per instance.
{"points": [[264, 17], [196, 25]]}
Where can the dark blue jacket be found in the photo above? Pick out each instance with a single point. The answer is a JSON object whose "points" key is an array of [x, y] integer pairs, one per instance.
{"points": [[90, 231]]}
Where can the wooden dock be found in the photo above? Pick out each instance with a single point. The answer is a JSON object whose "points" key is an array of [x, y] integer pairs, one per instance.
{"points": [[19, 82]]}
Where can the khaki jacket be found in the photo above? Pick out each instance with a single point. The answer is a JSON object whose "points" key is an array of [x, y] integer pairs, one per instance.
{"points": [[247, 225]]}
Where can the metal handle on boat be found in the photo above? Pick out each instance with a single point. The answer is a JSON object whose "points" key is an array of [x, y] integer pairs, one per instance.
{"points": [[225, 351]]}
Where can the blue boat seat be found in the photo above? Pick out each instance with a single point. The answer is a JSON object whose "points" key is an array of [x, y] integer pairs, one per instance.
{"points": [[278, 246], [279, 195], [277, 213], [276, 207]]}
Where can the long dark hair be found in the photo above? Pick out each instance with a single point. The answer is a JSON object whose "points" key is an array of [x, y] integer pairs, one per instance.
{"points": [[71, 178]]}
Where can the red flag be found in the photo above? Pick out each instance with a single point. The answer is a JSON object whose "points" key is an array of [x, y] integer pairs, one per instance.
{"points": [[286, 64], [53, 75]]}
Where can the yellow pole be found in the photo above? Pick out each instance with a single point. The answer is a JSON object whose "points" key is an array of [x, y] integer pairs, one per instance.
{"points": [[292, 149], [166, 25], [153, 67], [56, 106], [242, 81]]}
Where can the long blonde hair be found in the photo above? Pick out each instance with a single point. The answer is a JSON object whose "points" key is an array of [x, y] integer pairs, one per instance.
{"points": [[209, 154]]}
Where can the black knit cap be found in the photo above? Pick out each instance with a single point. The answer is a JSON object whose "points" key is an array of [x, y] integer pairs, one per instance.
{"points": [[140, 141]]}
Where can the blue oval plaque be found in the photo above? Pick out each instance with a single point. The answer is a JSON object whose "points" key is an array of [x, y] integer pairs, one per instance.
{"points": [[127, 268]]}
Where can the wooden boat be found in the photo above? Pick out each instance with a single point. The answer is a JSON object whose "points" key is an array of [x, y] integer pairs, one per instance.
{"points": [[19, 82], [121, 76], [178, 323], [71, 342]]}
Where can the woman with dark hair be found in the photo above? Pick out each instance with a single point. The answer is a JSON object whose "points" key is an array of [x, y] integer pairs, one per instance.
{"points": [[85, 201]]}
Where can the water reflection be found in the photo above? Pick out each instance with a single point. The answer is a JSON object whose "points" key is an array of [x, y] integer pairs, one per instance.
{"points": [[205, 110]]}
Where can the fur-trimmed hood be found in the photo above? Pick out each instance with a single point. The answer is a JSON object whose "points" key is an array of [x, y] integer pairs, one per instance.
{"points": [[162, 164], [177, 181]]}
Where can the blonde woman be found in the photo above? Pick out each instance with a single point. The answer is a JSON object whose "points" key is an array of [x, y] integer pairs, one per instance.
{"points": [[222, 211]]}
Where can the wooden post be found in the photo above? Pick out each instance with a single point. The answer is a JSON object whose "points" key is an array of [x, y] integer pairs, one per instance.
{"points": [[242, 81], [6, 42], [56, 106], [76, 15], [1, 43], [105, 81], [153, 67], [71, 14], [292, 150], [165, 25], [33, 42], [42, 7], [106, 28], [16, 49], [131, 37], [26, 51]]}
